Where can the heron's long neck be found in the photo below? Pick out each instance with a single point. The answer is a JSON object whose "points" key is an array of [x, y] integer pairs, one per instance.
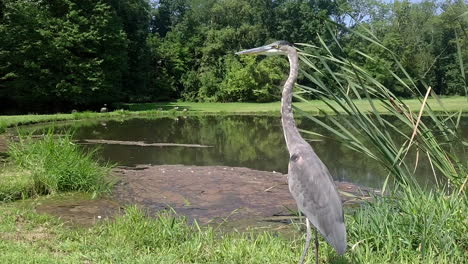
{"points": [[291, 134]]}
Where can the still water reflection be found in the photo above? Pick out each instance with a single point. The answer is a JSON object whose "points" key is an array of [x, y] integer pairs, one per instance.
{"points": [[246, 141]]}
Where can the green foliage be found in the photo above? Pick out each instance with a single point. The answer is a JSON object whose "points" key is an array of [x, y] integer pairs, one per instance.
{"points": [[134, 18], [430, 45], [69, 54], [165, 65], [343, 79], [60, 53], [251, 81], [141, 232], [53, 164], [196, 51]]}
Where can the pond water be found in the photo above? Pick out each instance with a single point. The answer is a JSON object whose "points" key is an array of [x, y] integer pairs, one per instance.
{"points": [[254, 142]]}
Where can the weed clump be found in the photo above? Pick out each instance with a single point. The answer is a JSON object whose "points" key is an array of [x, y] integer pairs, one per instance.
{"points": [[50, 165], [410, 225]]}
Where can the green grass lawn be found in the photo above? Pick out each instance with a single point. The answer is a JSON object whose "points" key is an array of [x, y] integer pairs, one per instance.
{"points": [[450, 104]]}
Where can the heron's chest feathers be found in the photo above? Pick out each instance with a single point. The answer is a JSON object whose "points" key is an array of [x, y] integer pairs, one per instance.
{"points": [[309, 182]]}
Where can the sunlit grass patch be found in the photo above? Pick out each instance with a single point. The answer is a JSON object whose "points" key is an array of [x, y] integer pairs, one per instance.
{"points": [[15, 183], [138, 238], [27, 237], [410, 226], [386, 231], [50, 165], [451, 104]]}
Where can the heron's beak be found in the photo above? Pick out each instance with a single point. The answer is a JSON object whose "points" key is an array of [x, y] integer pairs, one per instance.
{"points": [[254, 51]]}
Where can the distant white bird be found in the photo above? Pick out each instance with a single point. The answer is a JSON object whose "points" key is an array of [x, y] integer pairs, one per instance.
{"points": [[104, 109]]}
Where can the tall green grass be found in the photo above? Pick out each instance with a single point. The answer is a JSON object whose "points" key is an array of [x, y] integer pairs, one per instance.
{"points": [[338, 80], [26, 237], [15, 183], [50, 165], [409, 224], [418, 227]]}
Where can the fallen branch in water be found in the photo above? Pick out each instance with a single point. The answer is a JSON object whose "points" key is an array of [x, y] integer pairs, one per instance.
{"points": [[142, 144]]}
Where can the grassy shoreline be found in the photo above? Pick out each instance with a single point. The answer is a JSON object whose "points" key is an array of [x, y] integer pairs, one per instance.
{"points": [[451, 104], [382, 232], [48, 166], [405, 227]]}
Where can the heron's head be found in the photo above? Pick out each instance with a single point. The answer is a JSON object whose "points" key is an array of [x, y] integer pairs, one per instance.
{"points": [[276, 48]]}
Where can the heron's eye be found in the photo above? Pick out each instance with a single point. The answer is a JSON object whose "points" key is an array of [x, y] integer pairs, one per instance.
{"points": [[294, 157], [276, 46]]}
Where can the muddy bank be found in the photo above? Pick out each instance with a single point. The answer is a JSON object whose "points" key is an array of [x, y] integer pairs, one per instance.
{"points": [[80, 211], [3, 148], [210, 194], [213, 193], [3, 144]]}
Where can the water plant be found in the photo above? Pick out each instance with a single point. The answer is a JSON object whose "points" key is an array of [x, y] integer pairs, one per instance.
{"points": [[409, 224], [337, 78]]}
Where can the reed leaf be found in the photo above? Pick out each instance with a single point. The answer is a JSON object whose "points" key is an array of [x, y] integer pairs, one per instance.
{"points": [[337, 80]]}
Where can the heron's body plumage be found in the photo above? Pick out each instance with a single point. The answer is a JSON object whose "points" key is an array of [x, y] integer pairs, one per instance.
{"points": [[310, 182], [319, 202]]}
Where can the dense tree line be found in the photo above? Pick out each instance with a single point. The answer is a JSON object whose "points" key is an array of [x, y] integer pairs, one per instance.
{"points": [[429, 39], [57, 55]]}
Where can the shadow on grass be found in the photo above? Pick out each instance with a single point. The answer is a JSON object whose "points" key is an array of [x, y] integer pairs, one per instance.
{"points": [[3, 156], [338, 260]]}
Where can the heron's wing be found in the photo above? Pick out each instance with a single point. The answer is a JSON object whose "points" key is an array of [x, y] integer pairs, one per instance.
{"points": [[316, 196]]}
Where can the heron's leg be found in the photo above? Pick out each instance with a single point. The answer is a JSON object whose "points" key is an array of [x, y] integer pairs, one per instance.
{"points": [[316, 247], [307, 244]]}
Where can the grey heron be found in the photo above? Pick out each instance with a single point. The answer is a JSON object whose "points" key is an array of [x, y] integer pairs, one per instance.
{"points": [[309, 180]]}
